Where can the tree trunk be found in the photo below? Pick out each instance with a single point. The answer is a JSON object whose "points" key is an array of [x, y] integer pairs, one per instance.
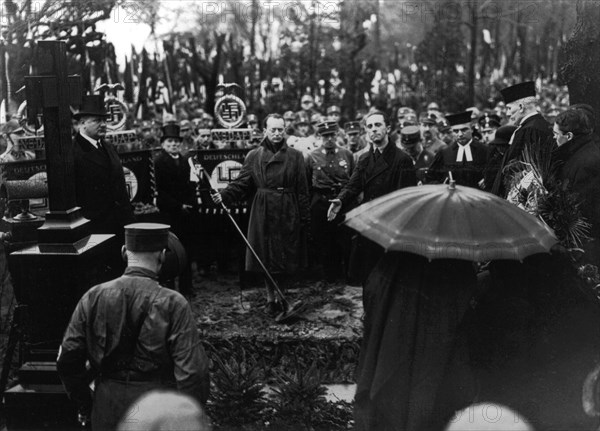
{"points": [[581, 58], [473, 54]]}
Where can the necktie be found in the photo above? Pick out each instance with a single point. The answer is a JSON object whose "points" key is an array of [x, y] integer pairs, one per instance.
{"points": [[376, 154], [464, 151]]}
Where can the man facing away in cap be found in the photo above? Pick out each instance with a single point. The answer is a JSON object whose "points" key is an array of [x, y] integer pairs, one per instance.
{"points": [[136, 335]]}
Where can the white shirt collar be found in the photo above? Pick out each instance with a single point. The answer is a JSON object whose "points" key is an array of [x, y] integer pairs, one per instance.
{"points": [[92, 141]]}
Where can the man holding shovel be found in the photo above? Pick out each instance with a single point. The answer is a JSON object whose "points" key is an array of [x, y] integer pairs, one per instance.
{"points": [[274, 177]]}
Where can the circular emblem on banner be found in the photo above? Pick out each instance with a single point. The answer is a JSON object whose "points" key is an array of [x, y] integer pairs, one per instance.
{"points": [[230, 111], [224, 173], [118, 114], [30, 126], [131, 182]]}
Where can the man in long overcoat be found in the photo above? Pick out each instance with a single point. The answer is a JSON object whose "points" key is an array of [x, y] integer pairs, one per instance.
{"points": [[176, 196], [532, 128], [273, 176], [382, 170], [100, 188]]}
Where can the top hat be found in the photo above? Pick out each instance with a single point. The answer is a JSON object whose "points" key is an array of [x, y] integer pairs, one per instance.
{"points": [[489, 121], [327, 128], [352, 127], [410, 134], [518, 91], [170, 130], [146, 236], [92, 106], [333, 109], [503, 135], [459, 118]]}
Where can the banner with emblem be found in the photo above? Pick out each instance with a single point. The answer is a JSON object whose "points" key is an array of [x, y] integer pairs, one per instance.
{"points": [[138, 169], [28, 170]]}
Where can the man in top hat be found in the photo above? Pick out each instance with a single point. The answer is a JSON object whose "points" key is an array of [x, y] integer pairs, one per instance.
{"points": [[532, 128], [429, 133], [411, 143], [488, 124], [329, 169], [383, 169], [496, 149], [466, 158], [131, 336], [176, 195], [100, 188]]}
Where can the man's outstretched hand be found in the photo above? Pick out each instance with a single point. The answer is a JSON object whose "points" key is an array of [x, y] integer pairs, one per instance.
{"points": [[334, 209]]}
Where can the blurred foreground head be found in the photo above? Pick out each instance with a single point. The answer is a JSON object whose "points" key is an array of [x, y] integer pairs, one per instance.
{"points": [[488, 417], [165, 411]]}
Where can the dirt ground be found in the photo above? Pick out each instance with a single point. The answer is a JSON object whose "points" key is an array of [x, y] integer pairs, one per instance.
{"points": [[330, 310]]}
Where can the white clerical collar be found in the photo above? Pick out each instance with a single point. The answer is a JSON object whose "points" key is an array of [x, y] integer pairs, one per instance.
{"points": [[92, 141], [464, 151]]}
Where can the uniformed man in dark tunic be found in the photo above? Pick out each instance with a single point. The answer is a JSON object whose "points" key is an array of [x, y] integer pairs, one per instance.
{"points": [[136, 335], [383, 169], [466, 158], [329, 169], [532, 128], [429, 134], [488, 124], [411, 144], [496, 149]]}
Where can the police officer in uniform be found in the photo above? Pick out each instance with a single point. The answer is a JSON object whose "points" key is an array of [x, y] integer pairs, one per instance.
{"points": [[136, 336], [411, 144], [466, 158], [330, 168]]}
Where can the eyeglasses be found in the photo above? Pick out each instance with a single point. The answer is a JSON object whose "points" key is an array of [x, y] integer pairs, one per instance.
{"points": [[304, 102]]}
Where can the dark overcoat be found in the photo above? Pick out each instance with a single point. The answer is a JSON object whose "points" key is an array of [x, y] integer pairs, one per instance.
{"points": [[578, 164], [280, 215], [374, 177], [173, 184], [100, 188], [464, 173], [533, 130]]}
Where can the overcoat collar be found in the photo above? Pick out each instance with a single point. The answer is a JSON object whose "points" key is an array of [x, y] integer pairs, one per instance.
{"points": [[279, 156], [100, 157], [383, 162]]}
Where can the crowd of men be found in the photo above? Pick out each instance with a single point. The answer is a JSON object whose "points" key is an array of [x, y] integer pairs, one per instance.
{"points": [[303, 172]]}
